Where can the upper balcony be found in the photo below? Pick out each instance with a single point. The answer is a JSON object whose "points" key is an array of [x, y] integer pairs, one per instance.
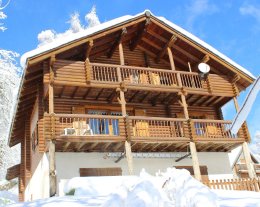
{"points": [[77, 73]]}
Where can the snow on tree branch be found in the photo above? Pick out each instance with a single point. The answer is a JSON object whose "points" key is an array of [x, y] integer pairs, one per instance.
{"points": [[9, 80], [48, 36], [2, 14]]}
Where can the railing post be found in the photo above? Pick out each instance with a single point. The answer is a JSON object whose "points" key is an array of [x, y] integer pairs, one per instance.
{"points": [[88, 69], [179, 79], [192, 131], [119, 77], [209, 84]]}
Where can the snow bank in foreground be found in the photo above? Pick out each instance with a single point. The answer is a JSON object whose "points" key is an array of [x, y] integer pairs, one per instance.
{"points": [[173, 188]]}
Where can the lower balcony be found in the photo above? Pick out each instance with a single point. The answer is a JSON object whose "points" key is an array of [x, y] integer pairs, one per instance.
{"points": [[107, 133]]}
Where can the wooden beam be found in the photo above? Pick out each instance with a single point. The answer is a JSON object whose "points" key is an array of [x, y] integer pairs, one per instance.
{"points": [[133, 96], [173, 100], [117, 147], [208, 102], [168, 44], [144, 97], [62, 91], [140, 34], [66, 146], [111, 97], [171, 58], [89, 47], [99, 93], [218, 100], [195, 101], [74, 92], [249, 162], [167, 98], [117, 42], [86, 94], [195, 161], [129, 157], [155, 98], [106, 146], [157, 36], [205, 59]]}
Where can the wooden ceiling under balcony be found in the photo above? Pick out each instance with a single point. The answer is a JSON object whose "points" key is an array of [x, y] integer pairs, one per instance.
{"points": [[119, 146], [109, 95]]}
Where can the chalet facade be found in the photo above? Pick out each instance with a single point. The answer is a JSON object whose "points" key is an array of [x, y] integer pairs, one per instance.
{"points": [[128, 86]]}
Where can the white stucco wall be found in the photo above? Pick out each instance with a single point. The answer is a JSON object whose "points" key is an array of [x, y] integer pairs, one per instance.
{"points": [[38, 186], [68, 164]]}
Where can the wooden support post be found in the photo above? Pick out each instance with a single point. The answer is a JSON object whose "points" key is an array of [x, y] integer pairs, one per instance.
{"points": [[121, 54], [52, 166], [185, 107], [236, 103], [129, 157], [249, 162], [195, 161], [171, 58], [122, 102]]}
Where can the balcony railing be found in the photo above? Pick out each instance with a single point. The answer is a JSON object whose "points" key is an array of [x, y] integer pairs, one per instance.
{"points": [[145, 76], [137, 128], [158, 128], [214, 129], [77, 73]]}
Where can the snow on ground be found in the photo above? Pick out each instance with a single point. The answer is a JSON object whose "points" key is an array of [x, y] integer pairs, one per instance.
{"points": [[9, 196], [227, 198], [173, 188]]}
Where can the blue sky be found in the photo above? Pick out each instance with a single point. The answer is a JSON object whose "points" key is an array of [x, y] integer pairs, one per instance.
{"points": [[231, 26]]}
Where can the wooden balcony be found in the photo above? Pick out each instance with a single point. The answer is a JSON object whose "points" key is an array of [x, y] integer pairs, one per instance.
{"points": [[76, 132], [76, 73]]}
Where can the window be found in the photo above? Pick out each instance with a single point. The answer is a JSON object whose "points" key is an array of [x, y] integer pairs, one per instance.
{"points": [[104, 126], [34, 138]]}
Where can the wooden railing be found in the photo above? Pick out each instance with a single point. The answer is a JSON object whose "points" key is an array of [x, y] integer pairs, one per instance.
{"points": [[136, 127], [242, 168], [90, 125], [145, 76], [154, 127], [247, 184], [204, 128], [77, 73]]}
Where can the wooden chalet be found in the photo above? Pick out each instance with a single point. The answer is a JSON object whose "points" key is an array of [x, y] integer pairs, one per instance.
{"points": [[129, 85]]}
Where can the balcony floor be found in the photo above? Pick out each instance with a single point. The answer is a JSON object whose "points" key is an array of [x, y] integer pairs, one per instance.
{"points": [[140, 146]]}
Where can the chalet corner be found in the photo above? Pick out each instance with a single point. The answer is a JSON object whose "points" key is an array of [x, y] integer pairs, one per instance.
{"points": [[129, 88]]}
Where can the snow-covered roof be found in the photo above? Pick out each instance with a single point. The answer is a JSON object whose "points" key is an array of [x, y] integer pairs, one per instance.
{"points": [[90, 31]]}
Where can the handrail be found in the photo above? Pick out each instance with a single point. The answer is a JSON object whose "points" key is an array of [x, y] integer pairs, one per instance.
{"points": [[88, 116], [156, 118], [143, 68], [212, 121]]}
